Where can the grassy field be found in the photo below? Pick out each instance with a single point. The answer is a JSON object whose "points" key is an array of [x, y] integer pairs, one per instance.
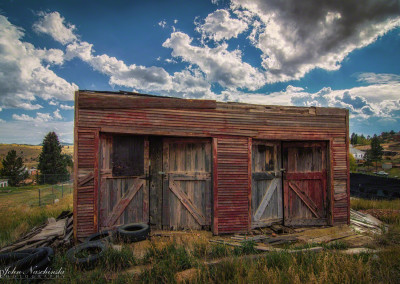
{"points": [[183, 257], [167, 260], [30, 153], [18, 219], [29, 195]]}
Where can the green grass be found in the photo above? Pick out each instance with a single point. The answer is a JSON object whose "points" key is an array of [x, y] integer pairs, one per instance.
{"points": [[107, 268], [18, 219], [29, 195], [167, 258], [364, 204]]}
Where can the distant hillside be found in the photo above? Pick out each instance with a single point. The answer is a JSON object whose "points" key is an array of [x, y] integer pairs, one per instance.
{"points": [[30, 153]]}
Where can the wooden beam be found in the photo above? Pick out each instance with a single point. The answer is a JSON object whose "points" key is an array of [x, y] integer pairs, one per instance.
{"points": [[215, 184], [306, 176], [266, 198], [184, 199], [124, 202], [75, 195], [107, 101], [87, 178], [348, 165], [263, 176], [249, 181], [96, 181], [190, 176], [307, 201]]}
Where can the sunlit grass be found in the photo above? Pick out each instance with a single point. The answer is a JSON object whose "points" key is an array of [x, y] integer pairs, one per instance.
{"points": [[17, 220]]}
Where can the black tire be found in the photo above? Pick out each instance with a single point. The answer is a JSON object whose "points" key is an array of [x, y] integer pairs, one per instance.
{"points": [[10, 257], [99, 237], [45, 261], [133, 232], [86, 261], [30, 260]]}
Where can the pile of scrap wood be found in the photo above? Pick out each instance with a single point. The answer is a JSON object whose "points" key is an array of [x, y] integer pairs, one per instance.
{"points": [[54, 233], [366, 223], [362, 226]]}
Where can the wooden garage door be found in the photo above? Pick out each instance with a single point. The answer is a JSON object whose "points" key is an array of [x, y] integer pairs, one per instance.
{"points": [[124, 191], [187, 184], [305, 189], [266, 185]]}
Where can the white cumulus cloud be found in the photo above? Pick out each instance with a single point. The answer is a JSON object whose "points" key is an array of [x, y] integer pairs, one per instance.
{"points": [[220, 26], [66, 107], [26, 72], [54, 25], [220, 65]]}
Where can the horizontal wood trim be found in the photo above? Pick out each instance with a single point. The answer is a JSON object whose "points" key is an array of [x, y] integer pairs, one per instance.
{"points": [[190, 176], [305, 176], [262, 223], [96, 101], [306, 222], [263, 176]]}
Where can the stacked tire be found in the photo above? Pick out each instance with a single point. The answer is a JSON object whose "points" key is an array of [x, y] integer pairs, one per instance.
{"points": [[134, 232], [90, 252], [27, 261]]}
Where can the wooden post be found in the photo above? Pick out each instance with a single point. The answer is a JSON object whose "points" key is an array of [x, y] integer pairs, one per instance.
{"points": [[62, 190], [39, 197]]}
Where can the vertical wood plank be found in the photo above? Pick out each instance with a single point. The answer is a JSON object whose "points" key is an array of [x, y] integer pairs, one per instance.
{"points": [[249, 148], [145, 209], [348, 166], [96, 180], [165, 215], [156, 181], [215, 184], [76, 149]]}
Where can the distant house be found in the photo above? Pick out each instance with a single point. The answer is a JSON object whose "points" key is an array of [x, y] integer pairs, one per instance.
{"points": [[387, 166], [32, 171], [3, 182], [358, 154]]}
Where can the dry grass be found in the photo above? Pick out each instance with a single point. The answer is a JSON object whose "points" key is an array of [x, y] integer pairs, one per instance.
{"points": [[29, 195], [364, 204], [17, 220], [29, 153]]}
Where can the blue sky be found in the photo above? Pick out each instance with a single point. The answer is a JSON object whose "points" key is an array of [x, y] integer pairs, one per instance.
{"points": [[306, 53]]}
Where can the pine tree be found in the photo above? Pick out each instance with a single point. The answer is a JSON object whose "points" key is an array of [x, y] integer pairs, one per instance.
{"points": [[52, 163], [13, 168], [376, 151]]}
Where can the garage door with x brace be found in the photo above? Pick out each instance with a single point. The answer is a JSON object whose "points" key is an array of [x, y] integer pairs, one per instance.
{"points": [[305, 183], [266, 185], [186, 184], [124, 192]]}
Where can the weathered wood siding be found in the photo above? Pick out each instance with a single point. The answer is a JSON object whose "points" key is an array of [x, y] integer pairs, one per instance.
{"points": [[232, 123], [233, 185], [86, 181]]}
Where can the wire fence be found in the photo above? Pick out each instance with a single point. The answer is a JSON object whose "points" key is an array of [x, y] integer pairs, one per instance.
{"points": [[34, 193], [54, 193]]}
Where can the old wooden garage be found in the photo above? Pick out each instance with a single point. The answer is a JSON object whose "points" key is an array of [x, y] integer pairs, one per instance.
{"points": [[201, 164]]}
